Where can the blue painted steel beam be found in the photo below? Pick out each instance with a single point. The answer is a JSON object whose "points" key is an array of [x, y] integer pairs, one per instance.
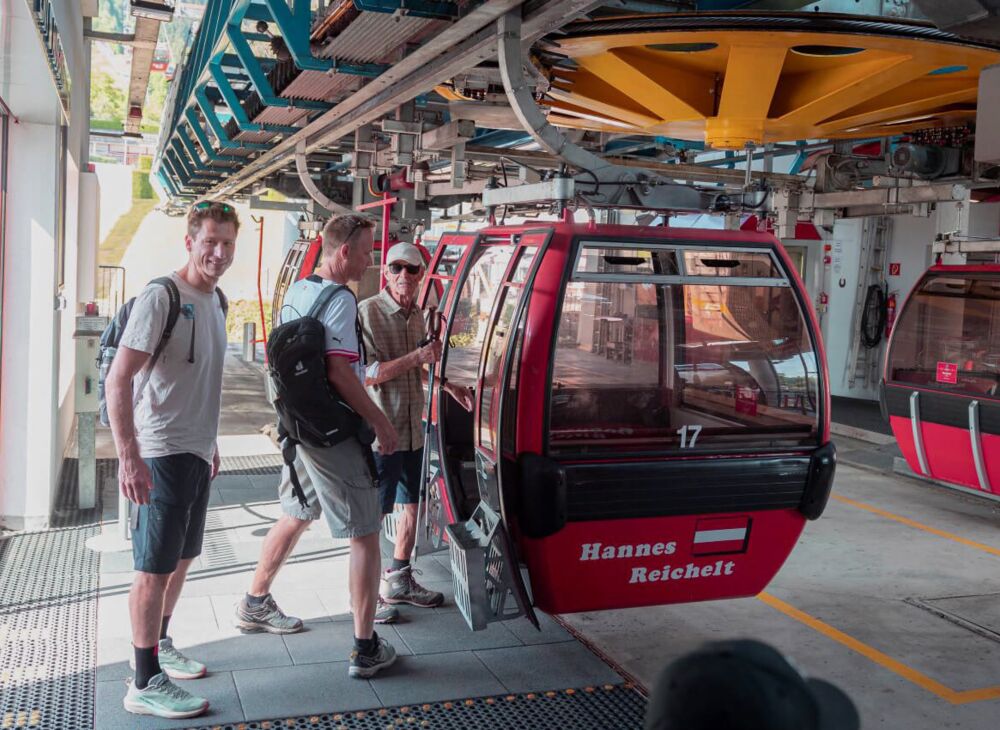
{"points": [[191, 168], [193, 122], [179, 157], [166, 183], [209, 32], [182, 176], [252, 66], [171, 172], [420, 8], [208, 110], [233, 102], [295, 24], [182, 135], [231, 60]]}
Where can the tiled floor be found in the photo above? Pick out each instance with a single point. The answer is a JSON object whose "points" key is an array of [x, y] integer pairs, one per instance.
{"points": [[264, 676]]}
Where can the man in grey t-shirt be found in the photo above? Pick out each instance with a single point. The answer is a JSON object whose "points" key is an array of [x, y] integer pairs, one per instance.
{"points": [[165, 416]]}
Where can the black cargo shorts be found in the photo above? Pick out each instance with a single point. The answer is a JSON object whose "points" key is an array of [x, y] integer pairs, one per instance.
{"points": [[171, 527]]}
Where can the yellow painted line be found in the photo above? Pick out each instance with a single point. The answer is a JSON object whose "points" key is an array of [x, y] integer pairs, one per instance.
{"points": [[22, 719], [919, 526], [883, 660]]}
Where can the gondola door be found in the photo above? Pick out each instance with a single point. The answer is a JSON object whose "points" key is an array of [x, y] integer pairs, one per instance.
{"points": [[496, 412], [438, 298], [495, 415]]}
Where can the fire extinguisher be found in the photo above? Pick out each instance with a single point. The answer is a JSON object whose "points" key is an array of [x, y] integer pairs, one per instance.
{"points": [[890, 313]]}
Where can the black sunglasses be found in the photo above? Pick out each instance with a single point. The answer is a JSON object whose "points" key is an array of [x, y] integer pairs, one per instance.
{"points": [[206, 204], [412, 270]]}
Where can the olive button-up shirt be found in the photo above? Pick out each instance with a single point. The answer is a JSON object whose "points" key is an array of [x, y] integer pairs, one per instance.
{"points": [[389, 334]]}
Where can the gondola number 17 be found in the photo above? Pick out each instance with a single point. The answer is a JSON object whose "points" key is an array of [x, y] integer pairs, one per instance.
{"points": [[686, 432]]}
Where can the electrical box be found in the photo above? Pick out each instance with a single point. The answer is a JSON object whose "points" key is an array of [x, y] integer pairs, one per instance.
{"points": [[88, 348]]}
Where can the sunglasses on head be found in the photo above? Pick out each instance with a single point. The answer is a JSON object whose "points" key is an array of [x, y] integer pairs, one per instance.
{"points": [[206, 204], [396, 267]]}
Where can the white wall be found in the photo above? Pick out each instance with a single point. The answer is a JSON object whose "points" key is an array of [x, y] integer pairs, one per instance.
{"points": [[28, 444], [38, 368]]}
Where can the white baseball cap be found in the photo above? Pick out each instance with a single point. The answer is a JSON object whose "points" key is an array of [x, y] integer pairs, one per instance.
{"points": [[405, 252]]}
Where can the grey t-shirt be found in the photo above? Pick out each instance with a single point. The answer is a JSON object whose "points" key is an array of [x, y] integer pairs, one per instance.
{"points": [[178, 409]]}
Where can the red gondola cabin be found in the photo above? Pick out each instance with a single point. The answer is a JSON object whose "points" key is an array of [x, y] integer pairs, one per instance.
{"points": [[941, 392], [651, 419]]}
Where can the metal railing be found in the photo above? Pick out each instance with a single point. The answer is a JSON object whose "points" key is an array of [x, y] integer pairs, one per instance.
{"points": [[110, 289]]}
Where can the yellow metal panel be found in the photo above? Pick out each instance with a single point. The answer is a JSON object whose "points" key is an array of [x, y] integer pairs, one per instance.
{"points": [[669, 91], [592, 92], [729, 87]]}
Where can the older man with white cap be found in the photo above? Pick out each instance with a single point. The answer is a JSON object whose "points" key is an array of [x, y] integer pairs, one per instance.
{"points": [[394, 330]]}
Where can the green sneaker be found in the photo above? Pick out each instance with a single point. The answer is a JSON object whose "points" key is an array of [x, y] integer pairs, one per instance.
{"points": [[174, 664], [163, 698]]}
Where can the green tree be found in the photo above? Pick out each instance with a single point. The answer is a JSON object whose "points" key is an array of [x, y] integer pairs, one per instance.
{"points": [[156, 97], [114, 17], [107, 99]]}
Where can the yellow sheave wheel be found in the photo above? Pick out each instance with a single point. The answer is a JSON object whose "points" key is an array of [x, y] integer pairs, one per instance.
{"points": [[734, 80]]}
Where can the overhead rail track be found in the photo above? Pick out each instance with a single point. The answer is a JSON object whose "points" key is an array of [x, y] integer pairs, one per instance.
{"points": [[462, 44], [245, 86]]}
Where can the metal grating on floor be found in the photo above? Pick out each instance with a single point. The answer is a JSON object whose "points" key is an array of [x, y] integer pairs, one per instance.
{"points": [[617, 706], [266, 464], [48, 622]]}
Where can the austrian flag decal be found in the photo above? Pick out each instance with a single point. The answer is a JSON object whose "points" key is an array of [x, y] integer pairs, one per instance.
{"points": [[721, 535]]}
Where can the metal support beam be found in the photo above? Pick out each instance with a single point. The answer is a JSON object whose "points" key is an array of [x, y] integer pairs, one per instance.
{"points": [[191, 116], [215, 124], [294, 24], [314, 192], [448, 135], [239, 114], [252, 65], [945, 192], [455, 49]]}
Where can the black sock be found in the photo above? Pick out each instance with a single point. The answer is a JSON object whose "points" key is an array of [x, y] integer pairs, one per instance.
{"points": [[398, 564], [146, 666], [254, 601], [164, 623], [366, 646]]}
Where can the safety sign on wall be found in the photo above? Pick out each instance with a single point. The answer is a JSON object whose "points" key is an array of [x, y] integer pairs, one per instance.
{"points": [[894, 269]]}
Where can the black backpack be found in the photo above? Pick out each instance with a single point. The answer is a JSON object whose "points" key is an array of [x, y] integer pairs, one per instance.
{"points": [[112, 335], [310, 411]]}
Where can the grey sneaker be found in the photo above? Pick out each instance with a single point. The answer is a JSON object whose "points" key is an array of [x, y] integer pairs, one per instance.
{"points": [[163, 698], [265, 617], [384, 613], [365, 665], [174, 664], [399, 586]]}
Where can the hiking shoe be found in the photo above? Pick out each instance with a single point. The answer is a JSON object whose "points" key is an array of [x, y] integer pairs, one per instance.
{"points": [[265, 617], [367, 665], [384, 613], [399, 586], [163, 698], [174, 664]]}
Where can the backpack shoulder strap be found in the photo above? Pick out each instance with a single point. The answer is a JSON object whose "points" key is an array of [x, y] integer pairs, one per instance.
{"points": [[326, 296], [223, 302], [174, 297]]}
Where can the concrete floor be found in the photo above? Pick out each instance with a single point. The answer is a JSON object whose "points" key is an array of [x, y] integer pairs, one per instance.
{"points": [[860, 602], [844, 607]]}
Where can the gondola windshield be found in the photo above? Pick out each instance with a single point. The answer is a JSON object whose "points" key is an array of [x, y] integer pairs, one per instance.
{"points": [[681, 348], [948, 336]]}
